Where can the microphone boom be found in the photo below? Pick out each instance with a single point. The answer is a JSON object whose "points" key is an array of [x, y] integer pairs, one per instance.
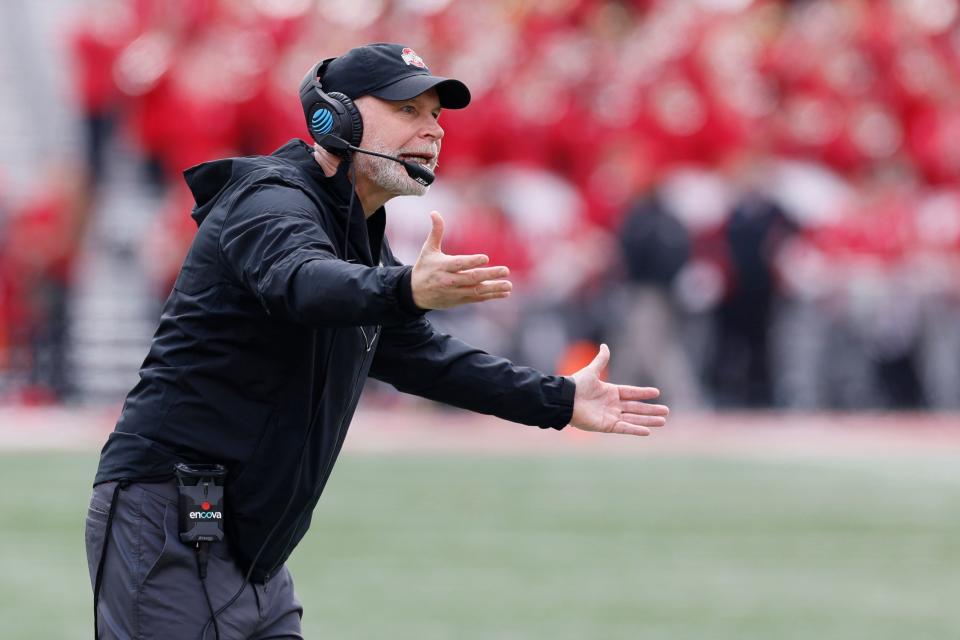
{"points": [[416, 171]]}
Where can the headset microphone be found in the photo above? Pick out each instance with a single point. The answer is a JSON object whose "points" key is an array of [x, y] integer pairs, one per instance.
{"points": [[416, 171]]}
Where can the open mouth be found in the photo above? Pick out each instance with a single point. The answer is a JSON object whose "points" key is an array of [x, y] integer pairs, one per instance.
{"points": [[419, 158]]}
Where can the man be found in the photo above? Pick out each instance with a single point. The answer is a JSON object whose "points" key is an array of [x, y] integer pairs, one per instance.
{"points": [[288, 299]]}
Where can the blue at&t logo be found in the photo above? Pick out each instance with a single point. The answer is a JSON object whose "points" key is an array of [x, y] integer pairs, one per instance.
{"points": [[321, 122]]}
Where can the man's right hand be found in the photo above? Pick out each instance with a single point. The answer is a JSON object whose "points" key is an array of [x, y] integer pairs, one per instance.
{"points": [[440, 281]]}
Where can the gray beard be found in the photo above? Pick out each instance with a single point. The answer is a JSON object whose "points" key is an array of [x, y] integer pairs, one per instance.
{"points": [[387, 174]]}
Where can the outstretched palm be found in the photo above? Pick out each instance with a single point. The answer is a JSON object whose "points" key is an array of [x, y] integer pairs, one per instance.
{"points": [[612, 408]]}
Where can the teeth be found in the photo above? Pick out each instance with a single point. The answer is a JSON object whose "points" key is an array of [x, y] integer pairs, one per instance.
{"points": [[417, 159]]}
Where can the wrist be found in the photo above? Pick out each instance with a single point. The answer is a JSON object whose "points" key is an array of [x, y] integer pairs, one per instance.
{"points": [[406, 296], [570, 395]]}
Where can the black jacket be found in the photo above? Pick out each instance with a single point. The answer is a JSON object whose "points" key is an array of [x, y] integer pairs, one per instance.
{"points": [[266, 340]]}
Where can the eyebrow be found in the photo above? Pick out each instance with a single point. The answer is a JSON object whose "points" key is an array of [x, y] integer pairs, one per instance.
{"points": [[436, 110]]}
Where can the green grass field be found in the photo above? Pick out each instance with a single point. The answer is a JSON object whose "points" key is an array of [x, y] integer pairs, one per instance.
{"points": [[562, 547]]}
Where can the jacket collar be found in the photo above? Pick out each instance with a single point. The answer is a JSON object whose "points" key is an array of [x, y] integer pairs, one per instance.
{"points": [[366, 234]]}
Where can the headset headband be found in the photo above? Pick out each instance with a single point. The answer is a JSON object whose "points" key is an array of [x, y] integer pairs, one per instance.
{"points": [[329, 114]]}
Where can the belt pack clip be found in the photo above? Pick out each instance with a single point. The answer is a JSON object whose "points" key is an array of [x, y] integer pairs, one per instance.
{"points": [[201, 501]]}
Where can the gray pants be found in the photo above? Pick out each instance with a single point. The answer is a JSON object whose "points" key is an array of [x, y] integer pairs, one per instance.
{"points": [[150, 586]]}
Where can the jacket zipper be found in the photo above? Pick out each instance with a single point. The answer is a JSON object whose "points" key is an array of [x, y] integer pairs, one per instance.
{"points": [[288, 547]]}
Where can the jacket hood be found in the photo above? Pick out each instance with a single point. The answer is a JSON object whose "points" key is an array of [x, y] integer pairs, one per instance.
{"points": [[210, 180], [206, 182]]}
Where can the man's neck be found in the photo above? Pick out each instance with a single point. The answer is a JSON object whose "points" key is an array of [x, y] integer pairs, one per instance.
{"points": [[370, 195]]}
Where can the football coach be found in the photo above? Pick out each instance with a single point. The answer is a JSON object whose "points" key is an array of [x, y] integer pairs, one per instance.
{"points": [[288, 299]]}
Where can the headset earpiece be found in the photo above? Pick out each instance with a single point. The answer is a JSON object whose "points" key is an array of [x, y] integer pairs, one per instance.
{"points": [[329, 114], [355, 120]]}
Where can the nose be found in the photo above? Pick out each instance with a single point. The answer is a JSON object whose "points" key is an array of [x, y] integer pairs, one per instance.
{"points": [[433, 130]]}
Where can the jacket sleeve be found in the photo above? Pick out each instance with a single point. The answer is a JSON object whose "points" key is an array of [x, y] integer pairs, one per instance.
{"points": [[273, 243], [416, 358]]}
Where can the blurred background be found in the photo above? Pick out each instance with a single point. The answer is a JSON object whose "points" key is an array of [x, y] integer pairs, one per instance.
{"points": [[755, 203]]}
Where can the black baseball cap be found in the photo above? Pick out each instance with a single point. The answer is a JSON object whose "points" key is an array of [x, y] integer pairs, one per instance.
{"points": [[392, 72]]}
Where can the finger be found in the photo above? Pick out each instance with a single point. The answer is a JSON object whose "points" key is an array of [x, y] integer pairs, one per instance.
{"points": [[632, 406], [480, 297], [638, 393], [601, 359], [630, 429], [456, 264], [476, 276], [489, 296], [435, 236], [646, 421], [493, 286]]}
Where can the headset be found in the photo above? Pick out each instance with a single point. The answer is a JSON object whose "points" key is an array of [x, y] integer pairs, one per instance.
{"points": [[335, 123], [329, 115]]}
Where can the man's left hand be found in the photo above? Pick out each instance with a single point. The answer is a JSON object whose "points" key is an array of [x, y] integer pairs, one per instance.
{"points": [[613, 408]]}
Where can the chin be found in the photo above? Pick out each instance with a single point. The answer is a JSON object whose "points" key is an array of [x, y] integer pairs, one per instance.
{"points": [[417, 190], [404, 185]]}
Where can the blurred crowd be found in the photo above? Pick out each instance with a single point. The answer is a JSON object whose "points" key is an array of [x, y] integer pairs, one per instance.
{"points": [[756, 203]]}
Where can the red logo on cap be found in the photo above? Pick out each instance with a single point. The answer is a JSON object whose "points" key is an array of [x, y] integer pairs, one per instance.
{"points": [[410, 57]]}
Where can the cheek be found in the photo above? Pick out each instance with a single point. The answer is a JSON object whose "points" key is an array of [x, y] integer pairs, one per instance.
{"points": [[372, 129], [371, 139], [378, 140], [367, 139]]}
